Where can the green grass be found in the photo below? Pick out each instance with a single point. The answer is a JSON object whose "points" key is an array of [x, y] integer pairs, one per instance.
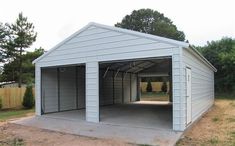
{"points": [[225, 96], [231, 119], [214, 141], [154, 96], [14, 113], [215, 119], [13, 142]]}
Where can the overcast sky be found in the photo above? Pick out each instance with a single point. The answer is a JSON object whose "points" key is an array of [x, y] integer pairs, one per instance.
{"points": [[54, 20]]}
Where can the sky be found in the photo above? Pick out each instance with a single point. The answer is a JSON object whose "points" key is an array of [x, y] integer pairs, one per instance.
{"points": [[55, 20]]}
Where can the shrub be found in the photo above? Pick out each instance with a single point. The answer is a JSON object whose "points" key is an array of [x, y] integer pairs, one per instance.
{"points": [[0, 102], [28, 101], [164, 87], [149, 87]]}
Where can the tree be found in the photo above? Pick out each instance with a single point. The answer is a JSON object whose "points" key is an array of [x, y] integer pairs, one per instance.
{"points": [[164, 87], [152, 22], [5, 44], [11, 73], [23, 36], [28, 100], [149, 87], [221, 54]]}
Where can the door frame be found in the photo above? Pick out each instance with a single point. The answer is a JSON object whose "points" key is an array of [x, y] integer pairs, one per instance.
{"points": [[188, 77]]}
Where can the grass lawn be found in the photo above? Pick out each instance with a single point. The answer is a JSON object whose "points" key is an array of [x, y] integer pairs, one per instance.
{"points": [[216, 128], [14, 113], [154, 96]]}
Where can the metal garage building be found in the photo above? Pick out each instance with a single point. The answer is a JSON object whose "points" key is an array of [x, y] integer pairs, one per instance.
{"points": [[101, 65]]}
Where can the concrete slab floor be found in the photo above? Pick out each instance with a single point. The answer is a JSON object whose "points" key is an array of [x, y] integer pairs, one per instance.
{"points": [[134, 123]]}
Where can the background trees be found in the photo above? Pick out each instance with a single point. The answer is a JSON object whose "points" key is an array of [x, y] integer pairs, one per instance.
{"points": [[221, 54], [152, 22], [11, 72], [15, 38]]}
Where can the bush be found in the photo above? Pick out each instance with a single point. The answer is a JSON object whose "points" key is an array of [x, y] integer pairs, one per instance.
{"points": [[164, 87], [28, 101], [0, 102], [149, 87]]}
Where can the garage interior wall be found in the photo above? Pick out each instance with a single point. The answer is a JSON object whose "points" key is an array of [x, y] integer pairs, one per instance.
{"points": [[117, 88], [63, 89]]}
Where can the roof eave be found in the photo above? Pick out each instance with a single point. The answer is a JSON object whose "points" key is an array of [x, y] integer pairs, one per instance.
{"points": [[131, 32], [202, 57]]}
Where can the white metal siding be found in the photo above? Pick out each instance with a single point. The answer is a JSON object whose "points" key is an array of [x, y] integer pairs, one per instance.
{"points": [[38, 90], [49, 90], [202, 84], [92, 91], [99, 44], [67, 89], [179, 117], [118, 88], [133, 87]]}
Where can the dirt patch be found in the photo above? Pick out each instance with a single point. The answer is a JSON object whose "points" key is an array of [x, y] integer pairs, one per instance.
{"points": [[217, 127], [13, 134]]}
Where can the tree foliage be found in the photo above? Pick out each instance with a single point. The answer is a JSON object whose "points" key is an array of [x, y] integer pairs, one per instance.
{"points": [[28, 100], [149, 87], [15, 39], [221, 54], [5, 44], [152, 22], [11, 72], [164, 87]]}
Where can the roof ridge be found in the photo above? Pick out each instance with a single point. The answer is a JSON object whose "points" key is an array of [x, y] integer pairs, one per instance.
{"points": [[113, 28]]}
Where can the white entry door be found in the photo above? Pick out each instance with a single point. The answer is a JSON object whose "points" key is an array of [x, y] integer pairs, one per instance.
{"points": [[189, 95]]}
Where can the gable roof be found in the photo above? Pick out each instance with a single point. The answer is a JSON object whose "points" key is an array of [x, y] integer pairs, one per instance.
{"points": [[117, 29], [131, 32]]}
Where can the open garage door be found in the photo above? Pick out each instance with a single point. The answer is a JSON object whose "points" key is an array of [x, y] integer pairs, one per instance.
{"points": [[120, 93], [63, 89]]}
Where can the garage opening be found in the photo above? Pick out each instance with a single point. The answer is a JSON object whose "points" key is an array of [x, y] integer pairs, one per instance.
{"points": [[120, 93], [63, 91], [155, 88]]}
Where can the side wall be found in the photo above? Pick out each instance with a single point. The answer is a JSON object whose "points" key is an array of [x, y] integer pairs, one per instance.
{"points": [[119, 89], [202, 84]]}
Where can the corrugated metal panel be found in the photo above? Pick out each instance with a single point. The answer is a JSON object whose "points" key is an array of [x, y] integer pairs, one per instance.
{"points": [[38, 93], [102, 44], [49, 90], [106, 88], [92, 92], [118, 88], [127, 87], [133, 87], [202, 84], [67, 89], [81, 87]]}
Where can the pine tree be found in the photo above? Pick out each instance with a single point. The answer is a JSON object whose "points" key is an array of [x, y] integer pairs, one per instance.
{"points": [[23, 36], [164, 87], [149, 87], [28, 101]]}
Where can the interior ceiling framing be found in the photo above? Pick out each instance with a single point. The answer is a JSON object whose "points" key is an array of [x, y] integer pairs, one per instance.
{"points": [[134, 66]]}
